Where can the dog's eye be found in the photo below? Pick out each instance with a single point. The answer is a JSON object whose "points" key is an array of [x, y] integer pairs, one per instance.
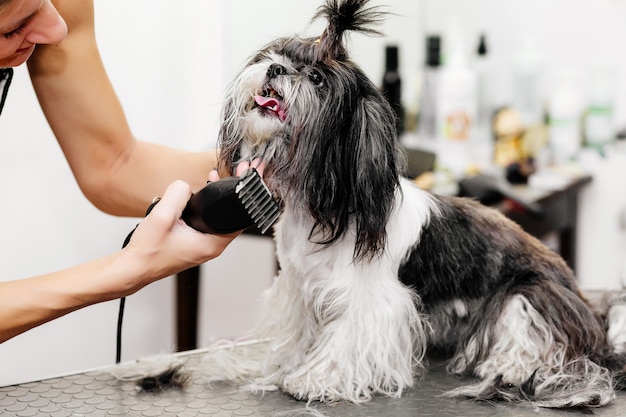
{"points": [[315, 77]]}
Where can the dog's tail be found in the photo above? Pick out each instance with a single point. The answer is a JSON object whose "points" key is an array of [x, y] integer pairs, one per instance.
{"points": [[343, 16]]}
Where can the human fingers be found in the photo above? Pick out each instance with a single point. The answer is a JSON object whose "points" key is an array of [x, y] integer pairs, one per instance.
{"points": [[214, 175], [259, 165], [256, 163], [242, 167], [176, 196], [163, 244]]}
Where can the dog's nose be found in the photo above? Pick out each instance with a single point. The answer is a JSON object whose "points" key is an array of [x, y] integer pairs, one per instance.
{"points": [[275, 70]]}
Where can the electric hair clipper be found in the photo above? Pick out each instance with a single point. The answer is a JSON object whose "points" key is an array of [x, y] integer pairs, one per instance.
{"points": [[232, 204]]}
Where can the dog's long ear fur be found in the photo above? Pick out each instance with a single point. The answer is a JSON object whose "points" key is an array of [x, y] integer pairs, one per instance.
{"points": [[353, 180]]}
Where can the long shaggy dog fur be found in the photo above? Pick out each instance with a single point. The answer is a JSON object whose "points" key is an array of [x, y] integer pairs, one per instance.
{"points": [[376, 273]]}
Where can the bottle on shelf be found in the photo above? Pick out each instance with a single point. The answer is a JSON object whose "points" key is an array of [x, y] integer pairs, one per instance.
{"points": [[564, 120], [527, 81], [456, 106], [392, 85], [482, 66], [598, 129], [427, 125], [484, 138]]}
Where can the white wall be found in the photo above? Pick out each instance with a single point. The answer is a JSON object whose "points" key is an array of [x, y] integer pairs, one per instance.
{"points": [[601, 247]]}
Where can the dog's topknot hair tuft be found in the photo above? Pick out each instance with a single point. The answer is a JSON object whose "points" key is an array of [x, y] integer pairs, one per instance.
{"points": [[343, 16]]}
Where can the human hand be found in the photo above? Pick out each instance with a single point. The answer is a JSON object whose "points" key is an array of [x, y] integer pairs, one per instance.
{"points": [[241, 167], [163, 244]]}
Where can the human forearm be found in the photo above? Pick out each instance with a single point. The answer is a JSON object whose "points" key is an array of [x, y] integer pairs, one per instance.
{"points": [[161, 245], [30, 302], [143, 173]]}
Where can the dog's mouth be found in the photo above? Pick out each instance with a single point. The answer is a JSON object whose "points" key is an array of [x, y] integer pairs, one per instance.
{"points": [[271, 102]]}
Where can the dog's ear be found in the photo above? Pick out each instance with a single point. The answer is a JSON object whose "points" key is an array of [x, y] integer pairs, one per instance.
{"points": [[377, 168], [352, 179], [232, 129], [229, 139]]}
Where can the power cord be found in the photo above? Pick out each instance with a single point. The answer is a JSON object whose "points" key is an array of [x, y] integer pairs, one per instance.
{"points": [[120, 313]]}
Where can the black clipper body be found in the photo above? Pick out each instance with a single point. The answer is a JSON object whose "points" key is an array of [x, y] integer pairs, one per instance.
{"points": [[232, 204]]}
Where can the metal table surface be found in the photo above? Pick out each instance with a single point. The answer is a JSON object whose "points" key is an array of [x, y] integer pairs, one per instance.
{"points": [[100, 393]]}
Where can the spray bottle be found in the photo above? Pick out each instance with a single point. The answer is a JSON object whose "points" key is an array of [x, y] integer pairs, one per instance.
{"points": [[456, 105]]}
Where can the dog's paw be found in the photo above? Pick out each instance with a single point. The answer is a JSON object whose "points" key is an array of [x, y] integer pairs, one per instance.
{"points": [[305, 390], [329, 386]]}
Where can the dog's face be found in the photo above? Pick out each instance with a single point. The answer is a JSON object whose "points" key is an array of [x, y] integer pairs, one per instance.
{"points": [[288, 109], [276, 98], [325, 132]]}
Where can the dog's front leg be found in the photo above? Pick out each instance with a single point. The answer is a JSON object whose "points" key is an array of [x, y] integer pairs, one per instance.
{"points": [[346, 337]]}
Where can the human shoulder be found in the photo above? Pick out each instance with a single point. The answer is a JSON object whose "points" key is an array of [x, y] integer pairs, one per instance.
{"points": [[78, 14], [80, 40]]}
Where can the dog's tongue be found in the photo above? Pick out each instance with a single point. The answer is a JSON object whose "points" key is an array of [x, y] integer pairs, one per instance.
{"points": [[272, 104]]}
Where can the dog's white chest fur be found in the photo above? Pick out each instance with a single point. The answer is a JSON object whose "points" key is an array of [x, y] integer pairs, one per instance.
{"points": [[308, 259]]}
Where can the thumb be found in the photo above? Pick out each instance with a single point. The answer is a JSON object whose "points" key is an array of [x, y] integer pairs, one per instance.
{"points": [[175, 198]]}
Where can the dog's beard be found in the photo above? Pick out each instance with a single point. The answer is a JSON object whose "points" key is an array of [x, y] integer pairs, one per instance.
{"points": [[259, 129], [248, 119]]}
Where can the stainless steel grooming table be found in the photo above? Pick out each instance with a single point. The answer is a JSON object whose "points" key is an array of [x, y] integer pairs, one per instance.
{"points": [[99, 393]]}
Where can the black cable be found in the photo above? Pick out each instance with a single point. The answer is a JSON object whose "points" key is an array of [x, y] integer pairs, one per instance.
{"points": [[120, 319], [6, 75], [120, 313]]}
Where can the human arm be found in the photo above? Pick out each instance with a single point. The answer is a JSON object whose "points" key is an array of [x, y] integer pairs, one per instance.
{"points": [[161, 245], [117, 173]]}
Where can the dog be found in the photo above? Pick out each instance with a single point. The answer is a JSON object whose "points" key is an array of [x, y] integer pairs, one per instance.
{"points": [[376, 274]]}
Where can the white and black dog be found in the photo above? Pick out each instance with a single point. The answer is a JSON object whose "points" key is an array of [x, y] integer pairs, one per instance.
{"points": [[374, 272]]}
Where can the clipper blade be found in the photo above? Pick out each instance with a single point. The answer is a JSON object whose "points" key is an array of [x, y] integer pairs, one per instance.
{"points": [[232, 204], [258, 200]]}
